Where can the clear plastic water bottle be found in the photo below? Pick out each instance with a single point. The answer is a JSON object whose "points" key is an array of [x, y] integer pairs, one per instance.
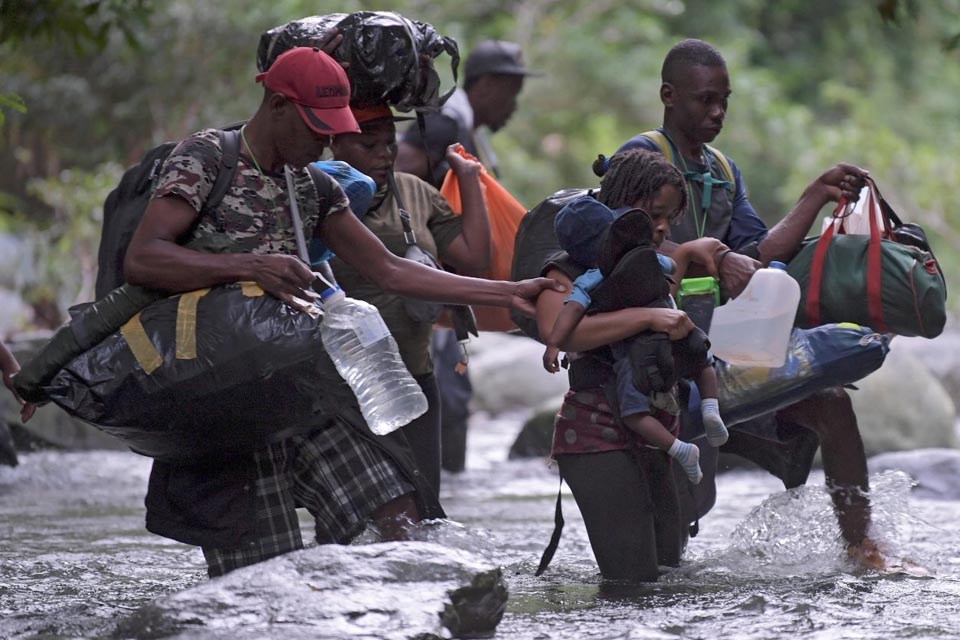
{"points": [[754, 328], [367, 357]]}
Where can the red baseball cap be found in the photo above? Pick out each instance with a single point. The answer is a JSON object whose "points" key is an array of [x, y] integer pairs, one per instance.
{"points": [[365, 115], [317, 85]]}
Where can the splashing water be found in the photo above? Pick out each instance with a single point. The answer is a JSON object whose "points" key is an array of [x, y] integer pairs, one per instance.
{"points": [[768, 563]]}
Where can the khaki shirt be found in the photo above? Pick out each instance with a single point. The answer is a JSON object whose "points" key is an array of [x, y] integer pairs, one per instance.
{"points": [[435, 226]]}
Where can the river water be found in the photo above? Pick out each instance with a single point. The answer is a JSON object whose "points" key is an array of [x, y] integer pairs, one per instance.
{"points": [[75, 558]]}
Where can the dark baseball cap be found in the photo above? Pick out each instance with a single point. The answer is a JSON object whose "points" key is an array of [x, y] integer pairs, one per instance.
{"points": [[579, 225], [496, 57]]}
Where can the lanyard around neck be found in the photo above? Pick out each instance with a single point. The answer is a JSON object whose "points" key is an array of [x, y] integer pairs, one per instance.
{"points": [[705, 178]]}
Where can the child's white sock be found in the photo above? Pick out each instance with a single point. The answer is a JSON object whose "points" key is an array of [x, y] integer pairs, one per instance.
{"points": [[689, 458], [716, 430]]}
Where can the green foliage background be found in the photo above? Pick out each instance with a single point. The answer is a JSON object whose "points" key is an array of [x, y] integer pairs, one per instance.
{"points": [[815, 82]]}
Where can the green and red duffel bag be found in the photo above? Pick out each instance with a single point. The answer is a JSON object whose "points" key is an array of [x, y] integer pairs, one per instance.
{"points": [[888, 280]]}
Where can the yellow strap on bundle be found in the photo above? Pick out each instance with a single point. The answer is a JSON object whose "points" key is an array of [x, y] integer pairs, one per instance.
{"points": [[187, 324], [251, 289], [143, 350]]}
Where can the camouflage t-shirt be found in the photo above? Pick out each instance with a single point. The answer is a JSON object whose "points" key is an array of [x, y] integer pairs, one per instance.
{"points": [[255, 212]]}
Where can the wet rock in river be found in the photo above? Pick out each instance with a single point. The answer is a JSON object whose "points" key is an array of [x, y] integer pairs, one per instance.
{"points": [[536, 435], [388, 591], [903, 406], [507, 374], [935, 471]]}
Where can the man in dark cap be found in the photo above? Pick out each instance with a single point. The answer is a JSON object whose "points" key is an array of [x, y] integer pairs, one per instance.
{"points": [[493, 77]]}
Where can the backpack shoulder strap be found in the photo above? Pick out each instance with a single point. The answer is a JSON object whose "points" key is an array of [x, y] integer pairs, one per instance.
{"points": [[723, 162], [229, 157], [656, 136]]}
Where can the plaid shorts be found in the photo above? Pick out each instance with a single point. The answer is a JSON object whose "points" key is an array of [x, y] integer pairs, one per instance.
{"points": [[337, 475]]}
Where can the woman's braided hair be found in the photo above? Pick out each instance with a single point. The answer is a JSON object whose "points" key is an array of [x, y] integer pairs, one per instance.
{"points": [[636, 174]]}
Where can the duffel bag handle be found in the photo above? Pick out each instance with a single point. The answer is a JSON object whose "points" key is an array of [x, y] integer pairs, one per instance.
{"points": [[874, 265], [875, 260], [816, 268], [890, 219]]}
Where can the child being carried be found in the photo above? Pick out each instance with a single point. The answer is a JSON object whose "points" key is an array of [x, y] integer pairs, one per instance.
{"points": [[625, 270]]}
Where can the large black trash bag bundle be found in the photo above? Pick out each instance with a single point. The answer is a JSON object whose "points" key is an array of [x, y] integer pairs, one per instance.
{"points": [[92, 322], [390, 57], [203, 374]]}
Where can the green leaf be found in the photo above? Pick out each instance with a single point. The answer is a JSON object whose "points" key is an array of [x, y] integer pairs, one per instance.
{"points": [[12, 101]]}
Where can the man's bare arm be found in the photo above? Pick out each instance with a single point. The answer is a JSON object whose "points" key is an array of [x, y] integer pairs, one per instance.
{"points": [[155, 260]]}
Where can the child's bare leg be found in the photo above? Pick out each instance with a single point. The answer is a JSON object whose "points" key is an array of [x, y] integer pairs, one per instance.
{"points": [[653, 431], [710, 408]]}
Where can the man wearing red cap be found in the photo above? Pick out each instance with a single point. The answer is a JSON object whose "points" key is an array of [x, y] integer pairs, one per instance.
{"points": [[244, 511]]}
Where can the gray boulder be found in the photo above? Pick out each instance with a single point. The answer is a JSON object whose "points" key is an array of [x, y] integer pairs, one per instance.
{"points": [[935, 471], [903, 406], [388, 591], [940, 355], [17, 261], [52, 427], [508, 375], [536, 436], [17, 314]]}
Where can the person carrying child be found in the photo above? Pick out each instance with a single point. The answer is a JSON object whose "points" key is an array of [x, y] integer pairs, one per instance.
{"points": [[627, 493], [620, 250]]}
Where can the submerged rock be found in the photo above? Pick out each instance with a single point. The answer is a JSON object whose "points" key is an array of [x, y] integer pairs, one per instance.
{"points": [[388, 591], [935, 471], [536, 436]]}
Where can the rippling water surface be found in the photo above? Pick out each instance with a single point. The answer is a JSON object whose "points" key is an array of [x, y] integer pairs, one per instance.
{"points": [[74, 556]]}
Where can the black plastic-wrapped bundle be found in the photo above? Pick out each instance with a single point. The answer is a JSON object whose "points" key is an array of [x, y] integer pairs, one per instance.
{"points": [[390, 57], [205, 374], [92, 322]]}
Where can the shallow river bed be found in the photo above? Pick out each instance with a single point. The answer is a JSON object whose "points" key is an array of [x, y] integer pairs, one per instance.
{"points": [[74, 556]]}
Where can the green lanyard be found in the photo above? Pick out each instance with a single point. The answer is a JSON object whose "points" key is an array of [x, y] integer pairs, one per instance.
{"points": [[706, 178]]}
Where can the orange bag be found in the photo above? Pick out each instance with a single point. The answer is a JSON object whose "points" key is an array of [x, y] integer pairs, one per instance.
{"points": [[504, 214]]}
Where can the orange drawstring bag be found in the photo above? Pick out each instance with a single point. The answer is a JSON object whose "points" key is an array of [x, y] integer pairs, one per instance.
{"points": [[504, 215]]}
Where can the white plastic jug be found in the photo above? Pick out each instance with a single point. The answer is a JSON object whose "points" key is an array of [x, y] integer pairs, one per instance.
{"points": [[753, 329]]}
